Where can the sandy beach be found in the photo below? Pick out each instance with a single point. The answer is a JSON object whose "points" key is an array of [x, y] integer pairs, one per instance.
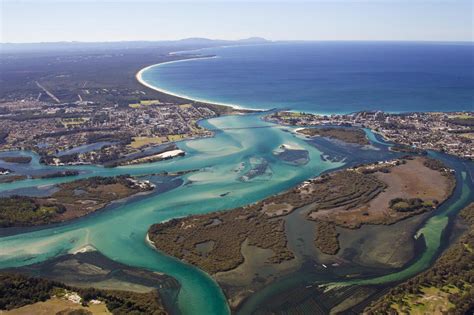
{"points": [[149, 242], [139, 77]]}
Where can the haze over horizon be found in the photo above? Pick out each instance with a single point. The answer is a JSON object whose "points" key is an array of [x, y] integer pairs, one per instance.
{"points": [[110, 21]]}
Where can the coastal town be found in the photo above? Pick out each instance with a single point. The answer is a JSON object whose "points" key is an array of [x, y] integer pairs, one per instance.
{"points": [[113, 130], [85, 132], [92, 133], [236, 157], [451, 133]]}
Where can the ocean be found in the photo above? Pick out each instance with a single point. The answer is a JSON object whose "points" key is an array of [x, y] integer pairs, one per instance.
{"points": [[328, 77], [119, 232]]}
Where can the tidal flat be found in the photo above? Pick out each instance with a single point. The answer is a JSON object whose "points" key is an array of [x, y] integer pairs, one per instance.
{"points": [[119, 233], [364, 241]]}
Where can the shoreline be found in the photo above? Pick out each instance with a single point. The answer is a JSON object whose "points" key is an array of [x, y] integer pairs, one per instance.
{"points": [[139, 77], [149, 241], [232, 295]]}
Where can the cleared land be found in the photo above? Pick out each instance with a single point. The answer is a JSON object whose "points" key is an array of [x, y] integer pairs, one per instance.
{"points": [[411, 180], [59, 306], [139, 142], [28, 295], [166, 155]]}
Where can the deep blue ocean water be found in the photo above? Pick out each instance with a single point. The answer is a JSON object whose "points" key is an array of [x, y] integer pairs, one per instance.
{"points": [[328, 77]]}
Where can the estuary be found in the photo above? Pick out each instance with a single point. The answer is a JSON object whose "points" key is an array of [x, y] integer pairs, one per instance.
{"points": [[119, 231]]}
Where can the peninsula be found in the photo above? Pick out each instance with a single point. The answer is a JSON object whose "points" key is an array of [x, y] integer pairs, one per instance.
{"points": [[69, 200], [268, 213], [97, 112]]}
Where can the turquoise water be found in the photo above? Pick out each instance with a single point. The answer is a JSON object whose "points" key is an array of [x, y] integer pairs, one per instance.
{"points": [[434, 236], [120, 232], [328, 77], [432, 232]]}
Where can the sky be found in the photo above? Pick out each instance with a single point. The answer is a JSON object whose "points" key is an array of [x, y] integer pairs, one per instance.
{"points": [[125, 20]]}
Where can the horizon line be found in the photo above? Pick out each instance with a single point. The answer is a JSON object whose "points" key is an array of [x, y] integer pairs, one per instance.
{"points": [[236, 40]]}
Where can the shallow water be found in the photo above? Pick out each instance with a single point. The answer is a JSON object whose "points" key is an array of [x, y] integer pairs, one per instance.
{"points": [[434, 238], [119, 232]]}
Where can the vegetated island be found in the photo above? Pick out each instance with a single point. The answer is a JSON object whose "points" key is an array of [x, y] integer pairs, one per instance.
{"points": [[213, 241], [410, 186], [445, 288], [65, 173], [71, 200], [346, 134], [16, 159], [20, 294], [9, 176], [217, 242]]}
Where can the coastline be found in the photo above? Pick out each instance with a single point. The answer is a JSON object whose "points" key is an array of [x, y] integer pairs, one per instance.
{"points": [[139, 77], [235, 104], [147, 236], [234, 295]]}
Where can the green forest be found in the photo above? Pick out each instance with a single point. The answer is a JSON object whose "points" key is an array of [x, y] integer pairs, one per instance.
{"points": [[26, 211]]}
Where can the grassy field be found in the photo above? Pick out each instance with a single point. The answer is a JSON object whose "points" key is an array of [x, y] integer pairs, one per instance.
{"points": [[139, 142], [172, 138], [410, 180], [150, 102], [461, 116], [73, 121], [56, 305], [144, 103], [468, 135]]}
